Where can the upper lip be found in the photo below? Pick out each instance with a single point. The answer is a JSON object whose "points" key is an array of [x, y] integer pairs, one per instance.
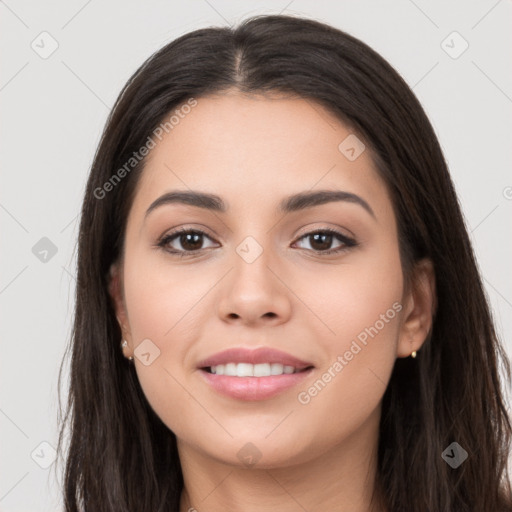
{"points": [[254, 356]]}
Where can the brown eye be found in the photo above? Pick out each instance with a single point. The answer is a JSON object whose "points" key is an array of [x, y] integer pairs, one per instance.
{"points": [[190, 241], [183, 241], [321, 241]]}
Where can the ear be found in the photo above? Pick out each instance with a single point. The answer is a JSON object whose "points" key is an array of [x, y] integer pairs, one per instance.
{"points": [[115, 289], [420, 305]]}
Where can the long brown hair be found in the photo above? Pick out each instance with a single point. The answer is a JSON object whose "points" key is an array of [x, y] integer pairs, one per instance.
{"points": [[121, 457]]}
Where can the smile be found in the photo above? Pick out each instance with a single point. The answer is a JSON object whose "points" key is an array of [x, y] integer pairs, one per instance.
{"points": [[252, 388], [252, 370]]}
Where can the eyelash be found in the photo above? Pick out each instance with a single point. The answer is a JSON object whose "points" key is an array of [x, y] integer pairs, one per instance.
{"points": [[347, 242]]}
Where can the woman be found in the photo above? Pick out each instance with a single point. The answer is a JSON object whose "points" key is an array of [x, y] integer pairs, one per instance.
{"points": [[278, 306]]}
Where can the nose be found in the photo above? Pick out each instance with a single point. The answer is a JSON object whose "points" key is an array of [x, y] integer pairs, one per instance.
{"points": [[254, 293]]}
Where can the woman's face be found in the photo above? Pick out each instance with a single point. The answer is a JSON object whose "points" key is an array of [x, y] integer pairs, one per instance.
{"points": [[261, 276]]}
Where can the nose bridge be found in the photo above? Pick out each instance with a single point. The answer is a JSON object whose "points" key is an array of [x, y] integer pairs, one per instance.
{"points": [[253, 292], [251, 261]]}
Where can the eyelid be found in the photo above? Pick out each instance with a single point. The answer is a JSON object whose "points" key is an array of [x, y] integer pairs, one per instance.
{"points": [[198, 228], [308, 230]]}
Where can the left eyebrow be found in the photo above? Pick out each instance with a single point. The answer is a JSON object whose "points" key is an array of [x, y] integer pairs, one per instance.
{"points": [[309, 199], [292, 203]]}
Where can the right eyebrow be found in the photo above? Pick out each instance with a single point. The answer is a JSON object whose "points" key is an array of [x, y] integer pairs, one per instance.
{"points": [[192, 198]]}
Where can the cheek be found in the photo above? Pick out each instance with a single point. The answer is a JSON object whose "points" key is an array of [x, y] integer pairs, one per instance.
{"points": [[362, 310], [350, 297], [162, 299], [166, 305]]}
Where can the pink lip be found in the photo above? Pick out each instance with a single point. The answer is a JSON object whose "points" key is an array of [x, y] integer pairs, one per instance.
{"points": [[253, 388], [253, 356]]}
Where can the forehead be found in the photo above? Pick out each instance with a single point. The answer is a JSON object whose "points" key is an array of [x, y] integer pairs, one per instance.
{"points": [[258, 148]]}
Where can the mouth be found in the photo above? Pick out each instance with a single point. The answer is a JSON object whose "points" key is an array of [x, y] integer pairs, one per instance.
{"points": [[258, 362], [253, 374], [250, 383], [254, 370]]}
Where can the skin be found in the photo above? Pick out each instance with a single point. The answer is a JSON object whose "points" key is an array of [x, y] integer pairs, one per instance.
{"points": [[252, 152]]}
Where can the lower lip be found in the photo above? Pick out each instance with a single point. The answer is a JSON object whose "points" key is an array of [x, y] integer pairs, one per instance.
{"points": [[254, 388]]}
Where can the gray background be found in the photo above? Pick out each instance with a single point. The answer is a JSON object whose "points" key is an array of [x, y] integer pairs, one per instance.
{"points": [[53, 111]]}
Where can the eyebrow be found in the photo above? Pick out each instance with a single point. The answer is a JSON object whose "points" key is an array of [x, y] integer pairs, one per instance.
{"points": [[290, 204]]}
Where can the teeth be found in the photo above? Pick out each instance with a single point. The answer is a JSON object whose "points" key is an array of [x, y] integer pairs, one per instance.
{"points": [[252, 370]]}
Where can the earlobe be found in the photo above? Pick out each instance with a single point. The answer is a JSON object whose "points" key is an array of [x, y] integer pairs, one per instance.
{"points": [[421, 303]]}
